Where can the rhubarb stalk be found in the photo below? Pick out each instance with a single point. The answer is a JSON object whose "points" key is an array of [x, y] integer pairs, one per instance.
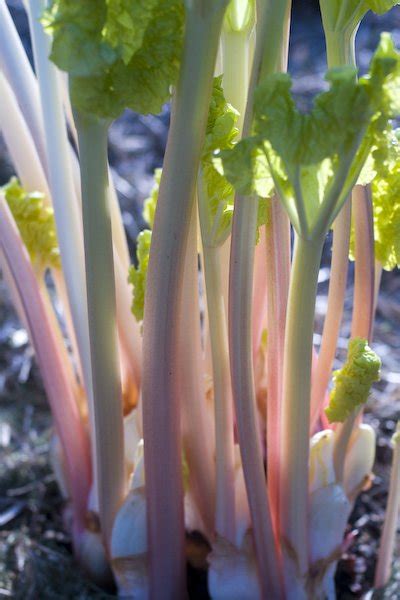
{"points": [[161, 410], [106, 407], [53, 363]]}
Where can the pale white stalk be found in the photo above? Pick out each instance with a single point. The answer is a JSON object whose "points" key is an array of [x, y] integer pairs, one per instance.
{"points": [[390, 526], [359, 460], [128, 328], [30, 172], [15, 65], [225, 500], [61, 183], [106, 407], [235, 50], [19, 141], [119, 237]]}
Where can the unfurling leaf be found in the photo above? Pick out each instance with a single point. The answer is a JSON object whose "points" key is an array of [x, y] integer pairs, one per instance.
{"points": [[353, 382], [138, 275], [36, 225]]}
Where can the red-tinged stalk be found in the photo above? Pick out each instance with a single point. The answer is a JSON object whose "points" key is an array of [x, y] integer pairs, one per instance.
{"points": [[106, 405], [259, 291], [272, 25], [53, 363], [236, 67], [293, 491], [68, 224], [364, 276], [378, 279], [334, 312], [197, 424], [223, 406], [118, 231], [161, 368], [340, 50], [128, 329], [246, 415], [277, 267], [377, 284], [15, 65], [363, 305], [386, 549]]}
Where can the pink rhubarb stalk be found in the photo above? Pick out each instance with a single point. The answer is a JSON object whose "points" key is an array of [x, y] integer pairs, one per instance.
{"points": [[197, 423], [161, 338], [278, 270], [334, 313], [52, 360]]}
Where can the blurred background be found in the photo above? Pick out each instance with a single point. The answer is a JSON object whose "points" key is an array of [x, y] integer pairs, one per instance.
{"points": [[34, 549]]}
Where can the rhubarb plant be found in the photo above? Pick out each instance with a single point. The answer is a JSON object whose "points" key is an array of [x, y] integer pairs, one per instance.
{"points": [[186, 391]]}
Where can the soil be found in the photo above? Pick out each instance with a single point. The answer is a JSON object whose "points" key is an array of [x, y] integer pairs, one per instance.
{"points": [[35, 549]]}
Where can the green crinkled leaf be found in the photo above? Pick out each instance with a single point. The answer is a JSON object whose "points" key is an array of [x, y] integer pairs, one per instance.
{"points": [[126, 24], [308, 139], [246, 168], [221, 131], [216, 193], [35, 223], [353, 382], [138, 275], [345, 15], [386, 202], [318, 156], [78, 45], [385, 186], [149, 207], [119, 54]]}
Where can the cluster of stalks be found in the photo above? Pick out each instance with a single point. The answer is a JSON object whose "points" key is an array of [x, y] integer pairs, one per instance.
{"points": [[202, 404]]}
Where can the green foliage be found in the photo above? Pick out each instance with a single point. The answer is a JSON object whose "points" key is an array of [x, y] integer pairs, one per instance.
{"points": [[383, 175], [314, 159], [240, 16], [119, 54], [216, 184], [126, 25], [386, 205], [216, 193], [149, 207], [138, 275], [36, 225], [353, 382], [345, 15], [246, 168]]}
